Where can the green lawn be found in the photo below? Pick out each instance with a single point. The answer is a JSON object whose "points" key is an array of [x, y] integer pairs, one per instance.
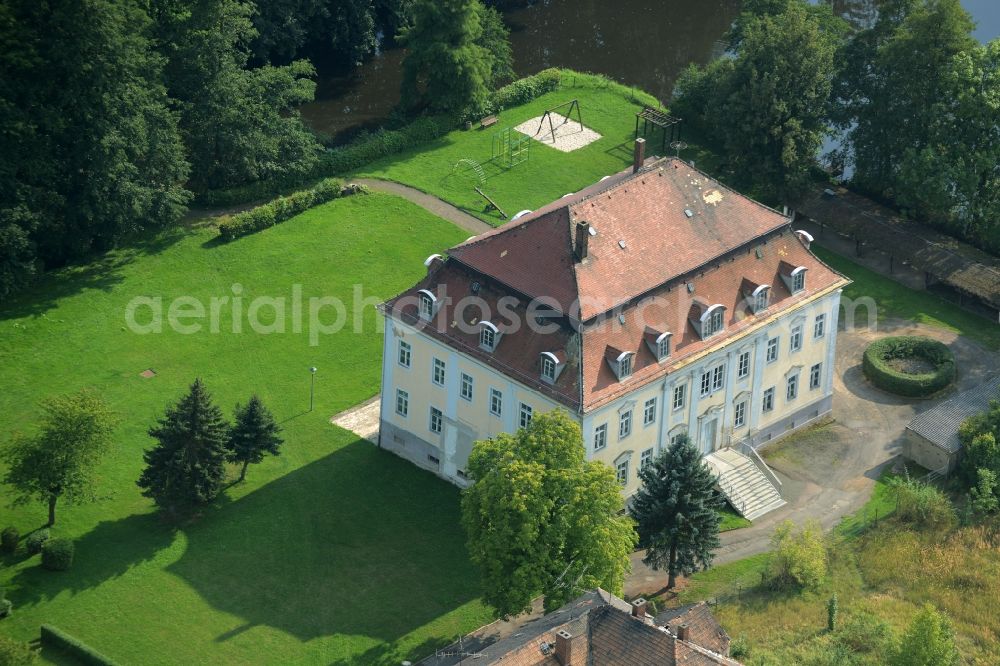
{"points": [[335, 552], [548, 174], [895, 300], [731, 520]]}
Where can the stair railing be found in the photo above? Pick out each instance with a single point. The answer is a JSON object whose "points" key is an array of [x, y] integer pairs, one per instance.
{"points": [[755, 458]]}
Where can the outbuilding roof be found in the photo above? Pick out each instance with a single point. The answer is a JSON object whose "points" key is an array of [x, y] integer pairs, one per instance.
{"points": [[939, 425]]}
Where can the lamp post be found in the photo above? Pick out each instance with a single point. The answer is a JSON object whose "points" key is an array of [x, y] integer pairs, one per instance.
{"points": [[312, 387]]}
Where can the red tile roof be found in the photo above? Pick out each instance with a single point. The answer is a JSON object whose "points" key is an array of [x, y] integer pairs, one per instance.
{"points": [[669, 262]]}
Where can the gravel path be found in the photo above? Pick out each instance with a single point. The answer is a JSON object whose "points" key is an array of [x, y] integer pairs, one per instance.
{"points": [[428, 202]]}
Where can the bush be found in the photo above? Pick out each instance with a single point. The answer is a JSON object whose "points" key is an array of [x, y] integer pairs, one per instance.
{"points": [[922, 504], [57, 554], [56, 638], [521, 91], [16, 653], [9, 539], [36, 540], [739, 648], [865, 632], [879, 354], [279, 210], [5, 606], [799, 558], [368, 147]]}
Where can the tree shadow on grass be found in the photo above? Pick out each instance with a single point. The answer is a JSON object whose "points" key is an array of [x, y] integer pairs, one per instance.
{"points": [[357, 543], [106, 552]]}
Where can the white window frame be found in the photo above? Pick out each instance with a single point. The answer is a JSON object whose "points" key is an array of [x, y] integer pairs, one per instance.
{"points": [[761, 298], [402, 403], [713, 320], [624, 424], [792, 387], [795, 338], [436, 424], [819, 326], [621, 472], [496, 402], [426, 304], [467, 382], [649, 412], [548, 368], [706, 383], [815, 376], [743, 365], [438, 367], [718, 377], [525, 414], [488, 335], [773, 349], [798, 279], [600, 436], [740, 414], [405, 351], [625, 368], [663, 347], [680, 396], [767, 401], [646, 458]]}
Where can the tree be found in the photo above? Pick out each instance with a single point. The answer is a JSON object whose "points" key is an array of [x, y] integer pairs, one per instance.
{"points": [[676, 511], [186, 467], [59, 462], [254, 434], [446, 69], [768, 106], [239, 124], [496, 39], [541, 518], [928, 641], [798, 558], [91, 149], [980, 437]]}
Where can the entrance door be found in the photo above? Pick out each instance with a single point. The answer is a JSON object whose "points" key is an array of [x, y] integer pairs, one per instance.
{"points": [[709, 432]]}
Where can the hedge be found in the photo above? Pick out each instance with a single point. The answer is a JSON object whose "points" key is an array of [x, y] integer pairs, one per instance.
{"points": [[277, 211], [33, 544], [57, 554], [880, 373], [56, 638]]}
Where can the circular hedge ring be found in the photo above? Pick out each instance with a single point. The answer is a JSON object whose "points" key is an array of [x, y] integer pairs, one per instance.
{"points": [[909, 365]]}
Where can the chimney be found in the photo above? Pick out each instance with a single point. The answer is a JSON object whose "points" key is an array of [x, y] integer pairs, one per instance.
{"points": [[638, 155], [682, 632], [581, 241], [639, 608], [565, 642]]}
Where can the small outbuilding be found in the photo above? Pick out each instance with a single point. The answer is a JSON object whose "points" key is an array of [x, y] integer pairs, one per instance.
{"points": [[932, 436]]}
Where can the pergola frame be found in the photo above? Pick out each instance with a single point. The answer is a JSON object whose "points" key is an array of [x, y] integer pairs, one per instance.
{"points": [[670, 126]]}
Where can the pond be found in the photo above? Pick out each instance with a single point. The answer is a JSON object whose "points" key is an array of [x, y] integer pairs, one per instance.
{"points": [[645, 43]]}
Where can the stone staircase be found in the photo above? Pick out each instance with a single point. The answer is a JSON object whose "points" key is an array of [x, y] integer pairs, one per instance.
{"points": [[745, 482]]}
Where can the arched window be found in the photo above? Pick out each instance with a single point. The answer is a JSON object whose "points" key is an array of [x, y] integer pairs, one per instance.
{"points": [[713, 320], [625, 365], [798, 279], [428, 304], [760, 297], [489, 335]]}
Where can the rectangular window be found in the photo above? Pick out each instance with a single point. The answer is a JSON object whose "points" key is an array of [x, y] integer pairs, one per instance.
{"points": [[437, 420], [467, 387], [663, 348], [740, 414], [600, 436], [795, 343], [792, 388], [819, 327], [706, 382], [625, 424], [768, 401], [798, 281], [437, 375], [679, 395], [649, 412], [718, 377], [496, 402], [621, 472], [772, 350], [525, 419], [743, 367], [404, 353], [647, 458], [402, 402], [814, 375], [548, 369], [676, 437]]}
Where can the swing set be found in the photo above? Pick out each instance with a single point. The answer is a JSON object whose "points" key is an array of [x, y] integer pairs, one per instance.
{"points": [[572, 104]]}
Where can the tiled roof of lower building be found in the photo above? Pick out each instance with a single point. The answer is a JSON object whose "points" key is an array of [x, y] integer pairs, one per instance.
{"points": [[939, 425]]}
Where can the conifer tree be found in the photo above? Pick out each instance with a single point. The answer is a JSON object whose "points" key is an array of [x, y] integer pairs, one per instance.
{"points": [[676, 511], [186, 467], [254, 434]]}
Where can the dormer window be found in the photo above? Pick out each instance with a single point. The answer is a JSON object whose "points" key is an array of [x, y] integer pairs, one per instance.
{"points": [[624, 365], [621, 362], [428, 304], [552, 365], [798, 279], [658, 343], [760, 298], [713, 320], [489, 336]]}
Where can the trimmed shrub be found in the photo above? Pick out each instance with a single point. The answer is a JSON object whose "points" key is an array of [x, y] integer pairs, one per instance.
{"points": [[57, 638], [5, 608], [879, 371], [16, 653], [368, 147], [9, 539], [57, 554], [279, 210], [522, 91], [36, 540]]}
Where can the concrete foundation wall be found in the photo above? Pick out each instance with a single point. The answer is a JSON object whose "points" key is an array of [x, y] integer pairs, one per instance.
{"points": [[801, 418]]}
